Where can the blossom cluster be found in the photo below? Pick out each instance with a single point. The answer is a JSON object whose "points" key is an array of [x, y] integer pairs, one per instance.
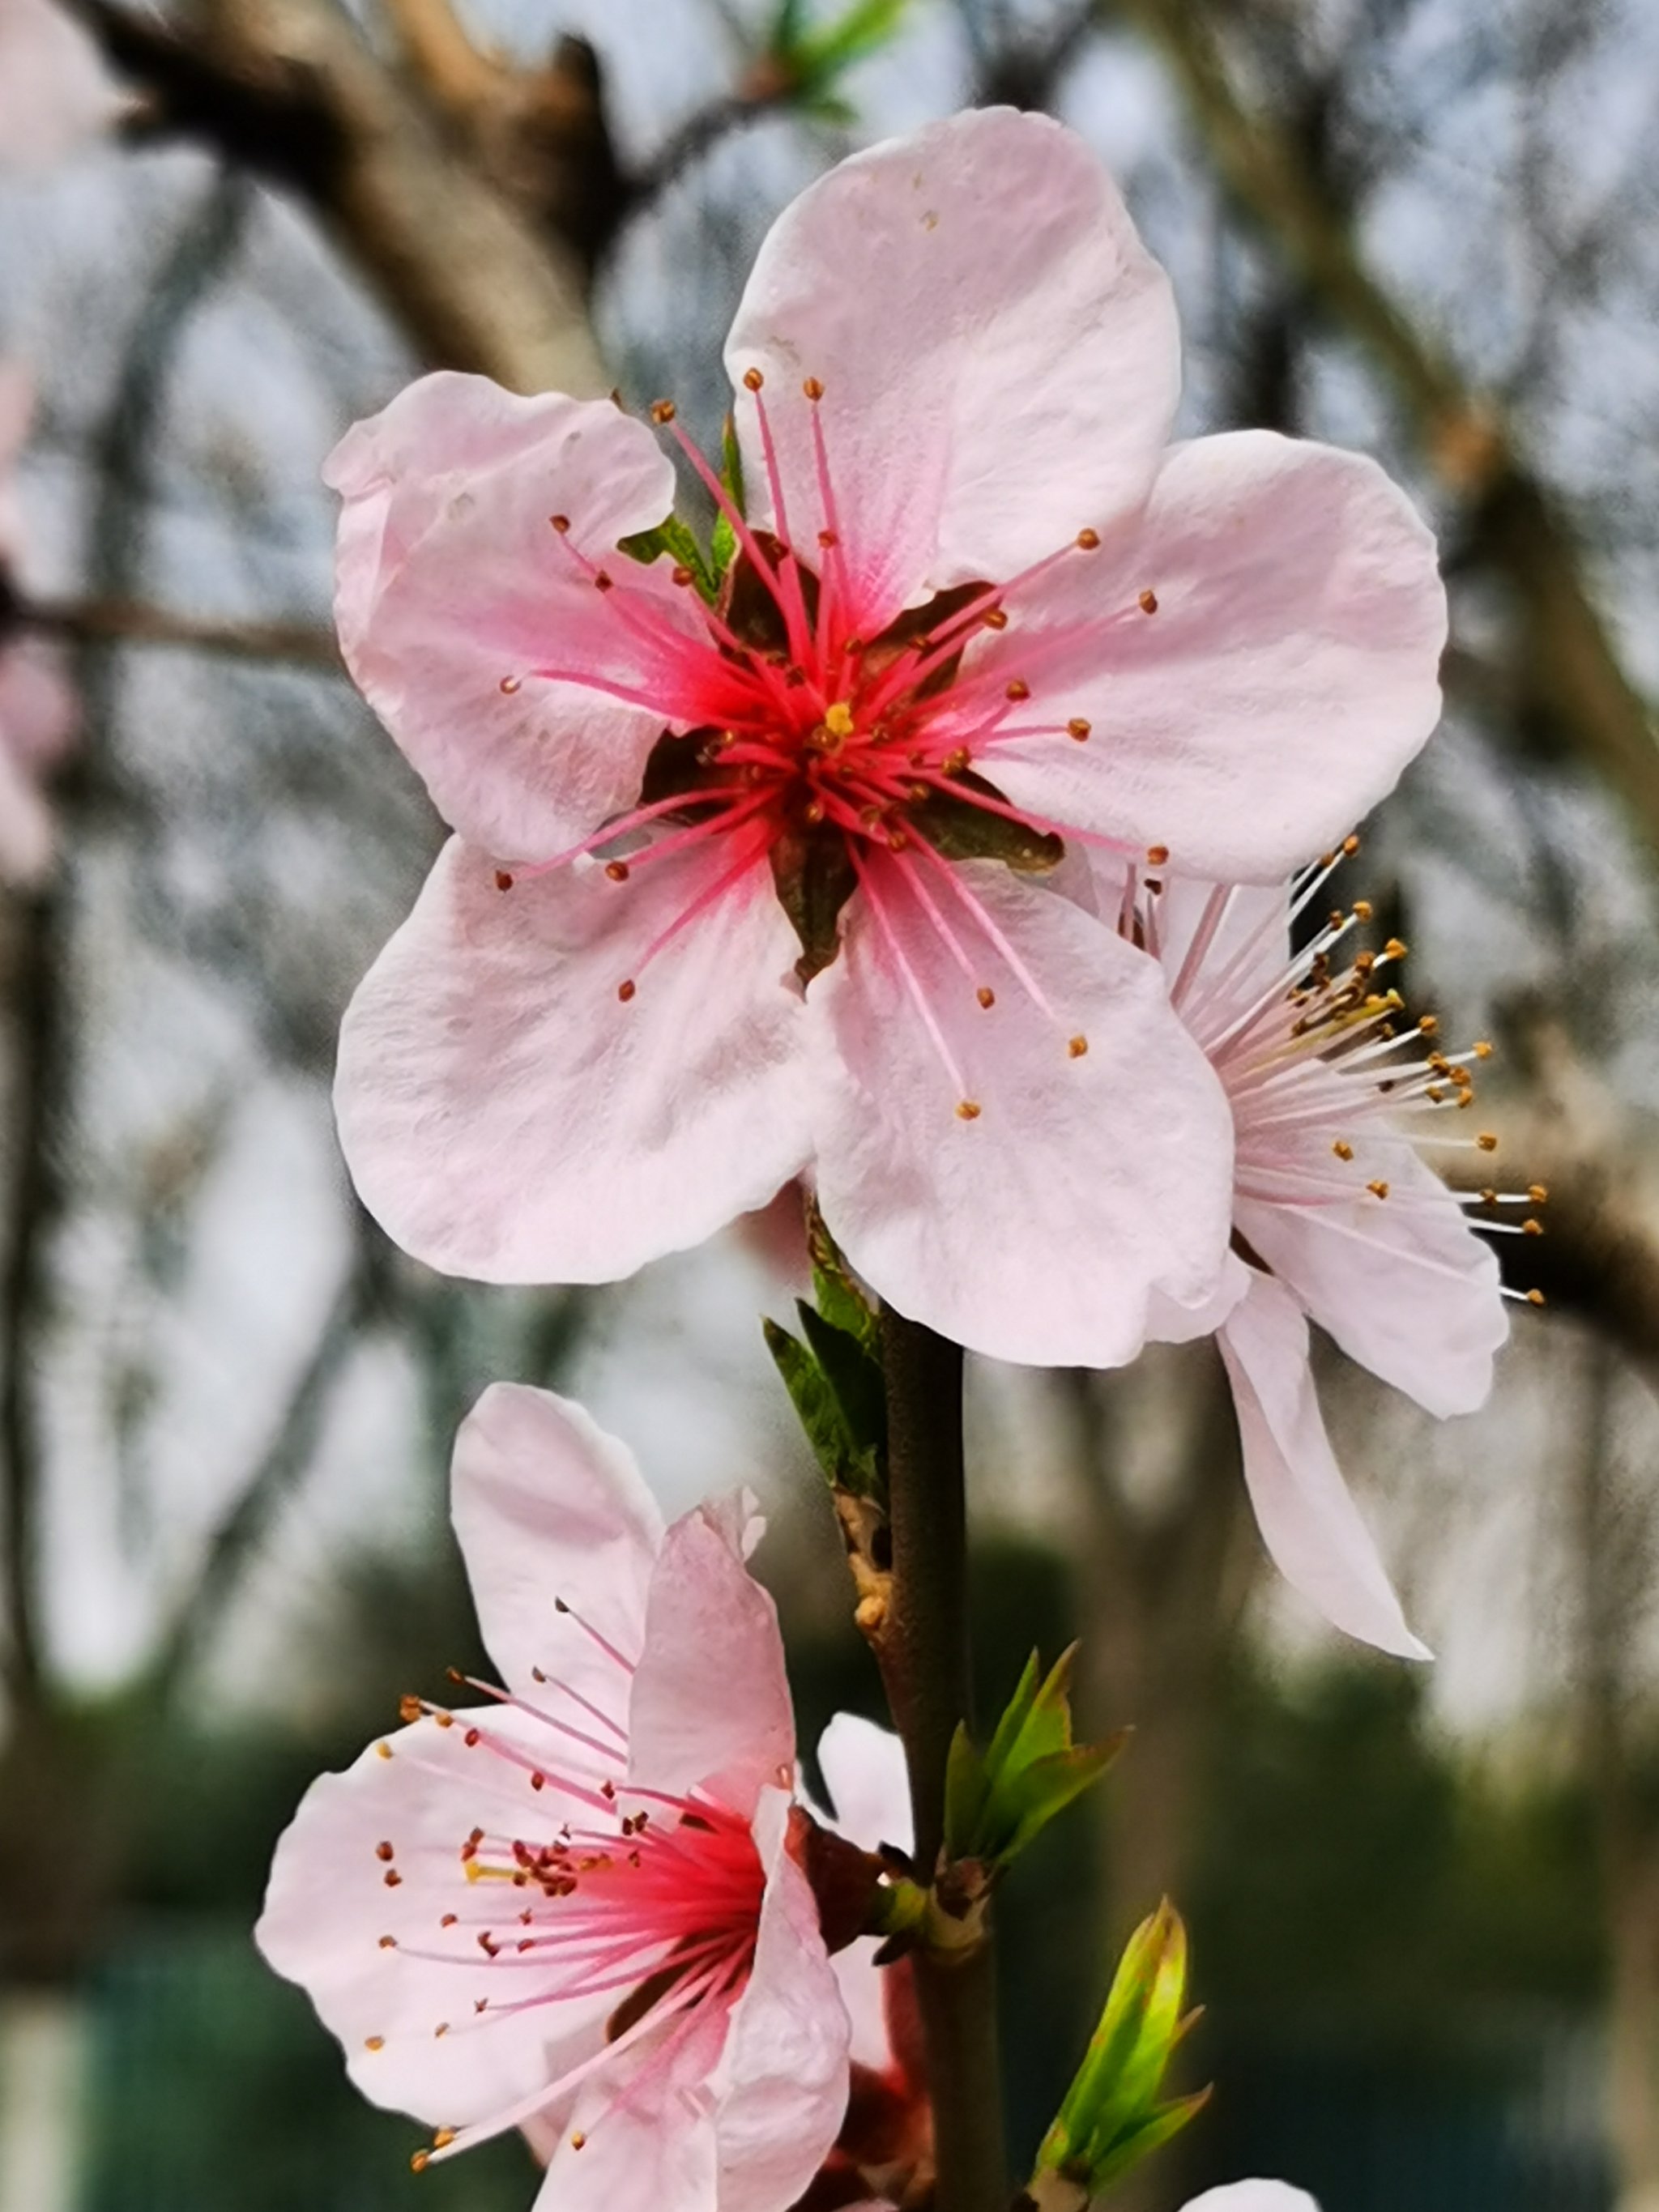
{"points": [[951, 829]]}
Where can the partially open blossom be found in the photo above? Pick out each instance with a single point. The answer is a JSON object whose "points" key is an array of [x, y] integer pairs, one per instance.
{"points": [[577, 1905], [760, 874], [38, 710], [55, 92], [1336, 1219]]}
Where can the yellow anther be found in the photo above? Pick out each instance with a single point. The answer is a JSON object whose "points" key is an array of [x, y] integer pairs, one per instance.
{"points": [[838, 720], [986, 995], [384, 1749], [374, 2043], [1077, 1046], [443, 2139], [1538, 1193], [1483, 1047], [1394, 949], [968, 1109], [1378, 1189], [1362, 910], [1343, 1151], [1535, 1298]]}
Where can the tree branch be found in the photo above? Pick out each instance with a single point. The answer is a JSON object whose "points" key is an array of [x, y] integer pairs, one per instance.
{"points": [[1574, 665], [133, 622], [288, 88]]}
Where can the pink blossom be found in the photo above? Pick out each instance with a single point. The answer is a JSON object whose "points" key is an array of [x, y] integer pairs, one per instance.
{"points": [[1337, 1218], [38, 710], [576, 1904], [768, 886], [55, 92]]}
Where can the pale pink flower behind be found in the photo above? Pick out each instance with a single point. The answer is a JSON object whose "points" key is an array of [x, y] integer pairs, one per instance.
{"points": [[575, 1906], [757, 889], [39, 712], [56, 93], [1336, 1219]]}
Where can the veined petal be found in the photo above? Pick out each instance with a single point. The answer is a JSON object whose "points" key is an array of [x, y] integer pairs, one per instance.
{"points": [[710, 1709], [55, 92], [1403, 1284], [330, 1903], [548, 1507], [781, 2088], [506, 1116], [453, 588], [998, 353], [1290, 672], [640, 2132], [1304, 1508], [1098, 1165]]}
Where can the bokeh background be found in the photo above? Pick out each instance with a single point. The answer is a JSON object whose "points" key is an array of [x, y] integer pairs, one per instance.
{"points": [[1424, 1903]]}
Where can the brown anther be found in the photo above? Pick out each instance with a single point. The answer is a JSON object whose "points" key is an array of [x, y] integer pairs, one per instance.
{"points": [[1087, 540], [481, 2004], [374, 2043], [682, 576], [603, 581], [1077, 1046], [828, 539], [391, 1878], [449, 1920], [1435, 1094], [1427, 1024], [443, 2139], [1019, 689], [752, 379], [986, 995], [1483, 1047], [1344, 1151], [1078, 728], [560, 522], [383, 1750], [470, 1738], [1394, 949], [1377, 1189], [812, 811], [509, 685], [955, 763], [1147, 602], [442, 2028], [1153, 884], [419, 2163], [1486, 1141], [410, 1708], [1535, 1298], [578, 2140], [383, 1851], [617, 870], [812, 388], [503, 881], [968, 1109], [1158, 856], [388, 1943], [1538, 1193], [537, 1675], [538, 1782], [1350, 846], [1335, 917], [1362, 910], [663, 411], [1531, 1228], [625, 991], [996, 618]]}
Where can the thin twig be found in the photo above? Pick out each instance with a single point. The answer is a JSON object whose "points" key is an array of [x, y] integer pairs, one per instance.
{"points": [[134, 622]]}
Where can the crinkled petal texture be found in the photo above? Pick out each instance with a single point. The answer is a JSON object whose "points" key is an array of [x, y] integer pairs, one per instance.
{"points": [[547, 1506], [56, 94], [458, 603], [506, 1116], [1401, 1282], [998, 351], [710, 1707], [329, 1904], [1098, 1165], [1253, 2197], [1305, 1511], [738, 2114], [1290, 672]]}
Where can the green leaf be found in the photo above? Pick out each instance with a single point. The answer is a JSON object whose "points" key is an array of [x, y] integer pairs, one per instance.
{"points": [[840, 1301], [1031, 1772], [847, 1464], [855, 1377], [723, 540], [964, 1795], [675, 538], [866, 25]]}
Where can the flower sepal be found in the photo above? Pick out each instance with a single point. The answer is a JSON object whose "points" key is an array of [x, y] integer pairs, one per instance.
{"points": [[1112, 2117], [999, 1800]]}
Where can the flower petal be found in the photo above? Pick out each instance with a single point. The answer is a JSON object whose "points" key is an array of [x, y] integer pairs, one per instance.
{"points": [[710, 1708], [55, 92], [864, 1770], [330, 1903], [640, 2133], [998, 353], [1253, 2197], [1304, 1508], [781, 2084], [1098, 1164], [1403, 1284], [505, 1117], [548, 1508], [451, 585], [1289, 672]]}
